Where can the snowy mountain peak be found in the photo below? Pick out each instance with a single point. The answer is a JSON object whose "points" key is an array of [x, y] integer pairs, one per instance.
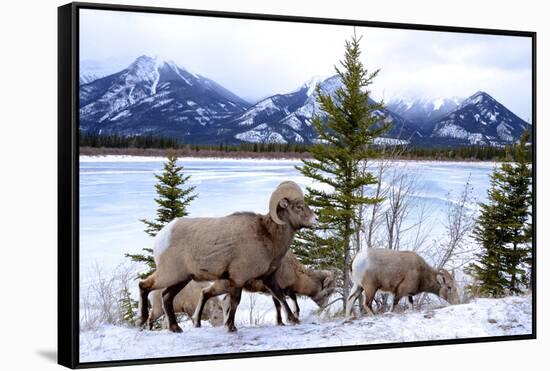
{"points": [[331, 84], [154, 95], [310, 85], [287, 118], [480, 119], [423, 111], [477, 98]]}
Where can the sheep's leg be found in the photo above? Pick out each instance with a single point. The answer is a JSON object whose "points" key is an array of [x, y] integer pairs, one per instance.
{"points": [[235, 297], [156, 310], [292, 295], [411, 302], [216, 288], [352, 297], [278, 310], [168, 301], [157, 280], [396, 298], [370, 291], [226, 305], [277, 292], [145, 287]]}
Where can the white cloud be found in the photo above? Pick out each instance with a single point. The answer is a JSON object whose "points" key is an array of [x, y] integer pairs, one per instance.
{"points": [[255, 59]]}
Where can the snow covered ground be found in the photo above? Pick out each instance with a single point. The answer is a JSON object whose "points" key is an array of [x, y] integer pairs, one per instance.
{"points": [[482, 317]]}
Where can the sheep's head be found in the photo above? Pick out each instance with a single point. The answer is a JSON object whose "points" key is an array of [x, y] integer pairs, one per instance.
{"points": [[327, 285], [447, 286], [287, 206]]}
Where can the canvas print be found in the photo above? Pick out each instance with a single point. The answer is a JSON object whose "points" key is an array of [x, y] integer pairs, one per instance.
{"points": [[253, 185]]}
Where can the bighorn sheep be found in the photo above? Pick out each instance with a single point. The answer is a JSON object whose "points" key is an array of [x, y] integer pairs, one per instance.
{"points": [[230, 250], [403, 273], [186, 301], [295, 279]]}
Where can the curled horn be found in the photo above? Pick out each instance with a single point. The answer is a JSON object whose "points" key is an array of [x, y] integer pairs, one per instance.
{"points": [[288, 190], [442, 273], [328, 282]]}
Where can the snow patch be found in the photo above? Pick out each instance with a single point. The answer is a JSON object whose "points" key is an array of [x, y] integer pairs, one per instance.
{"points": [[390, 141], [293, 122], [438, 103], [125, 113], [450, 130], [504, 133], [480, 318]]}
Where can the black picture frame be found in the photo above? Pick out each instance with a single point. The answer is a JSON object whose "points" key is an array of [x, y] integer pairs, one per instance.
{"points": [[68, 180]]}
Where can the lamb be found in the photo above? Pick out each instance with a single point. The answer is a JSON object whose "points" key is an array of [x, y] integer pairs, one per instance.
{"points": [[403, 273], [185, 301], [230, 250], [295, 279]]}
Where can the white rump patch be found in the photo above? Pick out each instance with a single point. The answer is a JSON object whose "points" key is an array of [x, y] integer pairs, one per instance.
{"points": [[359, 266], [163, 239]]}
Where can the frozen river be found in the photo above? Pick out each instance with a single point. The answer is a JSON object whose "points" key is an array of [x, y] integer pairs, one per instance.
{"points": [[116, 192]]}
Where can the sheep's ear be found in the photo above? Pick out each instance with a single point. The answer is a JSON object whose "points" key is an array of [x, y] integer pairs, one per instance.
{"points": [[440, 278], [283, 203], [326, 282]]}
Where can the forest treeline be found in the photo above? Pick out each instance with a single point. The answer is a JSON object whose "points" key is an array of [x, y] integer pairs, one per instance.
{"points": [[150, 145]]}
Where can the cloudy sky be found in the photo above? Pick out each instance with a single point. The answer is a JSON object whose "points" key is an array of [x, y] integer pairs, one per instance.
{"points": [[255, 59]]}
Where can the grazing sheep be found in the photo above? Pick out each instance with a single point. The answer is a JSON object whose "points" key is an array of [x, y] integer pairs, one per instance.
{"points": [[403, 273], [185, 302], [295, 279], [230, 250]]}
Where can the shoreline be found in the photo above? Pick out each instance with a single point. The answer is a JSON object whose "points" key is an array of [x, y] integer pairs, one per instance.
{"points": [[155, 154]]}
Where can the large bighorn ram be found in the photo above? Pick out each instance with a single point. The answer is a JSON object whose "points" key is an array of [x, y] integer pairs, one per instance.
{"points": [[185, 302], [294, 279], [403, 273], [230, 250]]}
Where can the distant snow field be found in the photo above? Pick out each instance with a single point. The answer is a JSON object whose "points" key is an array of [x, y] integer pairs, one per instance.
{"points": [[480, 318]]}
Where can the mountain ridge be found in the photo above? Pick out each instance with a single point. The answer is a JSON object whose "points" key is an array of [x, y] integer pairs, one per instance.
{"points": [[156, 96]]}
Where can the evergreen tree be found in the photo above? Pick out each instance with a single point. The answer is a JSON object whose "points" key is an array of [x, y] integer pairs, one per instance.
{"points": [[504, 229], [346, 131], [127, 307], [172, 203]]}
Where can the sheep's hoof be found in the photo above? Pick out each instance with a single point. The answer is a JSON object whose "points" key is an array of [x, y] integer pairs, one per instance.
{"points": [[280, 324], [175, 328], [294, 321], [231, 328], [196, 323]]}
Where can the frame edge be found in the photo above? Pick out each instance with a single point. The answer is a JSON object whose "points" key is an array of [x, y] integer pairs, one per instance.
{"points": [[67, 258]]}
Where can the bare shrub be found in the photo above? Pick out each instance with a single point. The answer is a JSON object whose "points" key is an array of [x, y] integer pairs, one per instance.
{"points": [[102, 301]]}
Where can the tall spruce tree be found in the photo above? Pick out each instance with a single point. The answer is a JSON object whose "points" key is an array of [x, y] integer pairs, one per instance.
{"points": [[172, 203], [345, 131], [504, 228]]}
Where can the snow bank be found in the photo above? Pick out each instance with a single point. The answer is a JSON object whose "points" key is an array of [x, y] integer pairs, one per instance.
{"points": [[483, 317]]}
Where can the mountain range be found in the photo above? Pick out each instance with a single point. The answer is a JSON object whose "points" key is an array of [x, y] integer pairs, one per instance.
{"points": [[155, 96]]}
